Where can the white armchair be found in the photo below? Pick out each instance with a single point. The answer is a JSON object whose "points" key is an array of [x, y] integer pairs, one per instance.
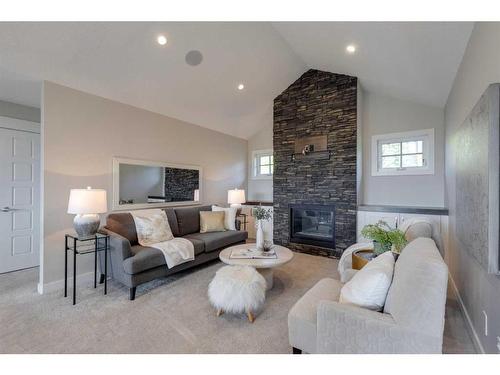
{"points": [[412, 320]]}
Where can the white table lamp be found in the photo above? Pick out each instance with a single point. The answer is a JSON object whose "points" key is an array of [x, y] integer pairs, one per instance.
{"points": [[87, 204], [236, 197]]}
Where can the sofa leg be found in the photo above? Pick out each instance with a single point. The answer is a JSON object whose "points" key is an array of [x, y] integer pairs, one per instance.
{"points": [[101, 280], [296, 351], [132, 293]]}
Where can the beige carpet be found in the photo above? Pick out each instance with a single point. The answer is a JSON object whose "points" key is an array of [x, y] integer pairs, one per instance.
{"points": [[168, 316]]}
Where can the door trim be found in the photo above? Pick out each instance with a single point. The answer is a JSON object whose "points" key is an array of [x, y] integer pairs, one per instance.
{"points": [[21, 125]]}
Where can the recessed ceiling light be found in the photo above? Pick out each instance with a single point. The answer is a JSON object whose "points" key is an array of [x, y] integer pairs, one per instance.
{"points": [[351, 48], [241, 86], [162, 40]]}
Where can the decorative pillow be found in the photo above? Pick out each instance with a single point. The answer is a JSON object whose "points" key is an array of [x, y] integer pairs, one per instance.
{"points": [[212, 221], [152, 226], [369, 286], [230, 216]]}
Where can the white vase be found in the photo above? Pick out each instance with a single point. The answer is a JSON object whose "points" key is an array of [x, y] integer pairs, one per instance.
{"points": [[260, 235]]}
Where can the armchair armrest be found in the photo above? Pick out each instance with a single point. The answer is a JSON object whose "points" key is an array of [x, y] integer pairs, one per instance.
{"points": [[343, 328]]}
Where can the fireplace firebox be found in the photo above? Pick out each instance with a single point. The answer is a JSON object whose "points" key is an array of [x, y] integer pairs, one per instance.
{"points": [[313, 224]]}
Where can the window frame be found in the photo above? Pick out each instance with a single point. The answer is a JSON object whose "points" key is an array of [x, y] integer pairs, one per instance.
{"points": [[425, 135], [256, 155]]}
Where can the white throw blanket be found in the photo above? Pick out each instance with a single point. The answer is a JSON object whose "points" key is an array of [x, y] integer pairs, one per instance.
{"points": [[153, 230]]}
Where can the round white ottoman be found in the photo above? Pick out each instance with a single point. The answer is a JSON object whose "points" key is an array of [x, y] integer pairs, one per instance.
{"points": [[237, 289]]}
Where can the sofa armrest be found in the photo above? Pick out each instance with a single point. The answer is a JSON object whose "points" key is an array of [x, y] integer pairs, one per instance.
{"points": [[343, 328], [120, 250], [119, 244]]}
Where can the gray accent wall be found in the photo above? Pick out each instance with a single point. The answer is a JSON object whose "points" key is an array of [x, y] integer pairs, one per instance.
{"points": [[479, 290], [19, 111], [81, 133]]}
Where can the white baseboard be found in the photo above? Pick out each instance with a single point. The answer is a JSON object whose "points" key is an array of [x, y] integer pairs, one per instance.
{"points": [[475, 337], [84, 278]]}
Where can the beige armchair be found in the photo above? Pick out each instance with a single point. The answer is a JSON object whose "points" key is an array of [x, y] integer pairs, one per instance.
{"points": [[412, 320]]}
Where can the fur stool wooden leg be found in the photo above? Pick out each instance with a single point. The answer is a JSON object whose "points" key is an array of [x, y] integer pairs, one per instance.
{"points": [[237, 290]]}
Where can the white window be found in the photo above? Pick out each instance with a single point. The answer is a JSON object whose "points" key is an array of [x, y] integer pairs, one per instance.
{"points": [[263, 164], [409, 153]]}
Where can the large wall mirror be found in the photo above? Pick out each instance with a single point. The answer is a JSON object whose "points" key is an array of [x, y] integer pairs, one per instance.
{"points": [[147, 184]]}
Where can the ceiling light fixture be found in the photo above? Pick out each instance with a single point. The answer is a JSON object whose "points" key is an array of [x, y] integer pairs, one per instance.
{"points": [[162, 40], [350, 48], [241, 86]]}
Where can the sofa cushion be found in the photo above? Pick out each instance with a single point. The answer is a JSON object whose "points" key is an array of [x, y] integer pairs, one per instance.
{"points": [[188, 219], [144, 259], [199, 245], [172, 221], [124, 225], [216, 240], [302, 317]]}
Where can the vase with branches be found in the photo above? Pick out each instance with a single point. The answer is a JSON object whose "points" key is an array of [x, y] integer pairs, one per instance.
{"points": [[260, 214]]}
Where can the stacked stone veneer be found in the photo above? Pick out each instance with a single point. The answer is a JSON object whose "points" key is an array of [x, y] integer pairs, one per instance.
{"points": [[318, 103], [180, 184]]}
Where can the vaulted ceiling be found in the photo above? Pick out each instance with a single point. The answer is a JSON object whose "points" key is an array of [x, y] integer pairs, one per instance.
{"points": [[123, 62]]}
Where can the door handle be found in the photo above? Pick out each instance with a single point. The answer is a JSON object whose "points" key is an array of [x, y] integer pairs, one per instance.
{"points": [[8, 209]]}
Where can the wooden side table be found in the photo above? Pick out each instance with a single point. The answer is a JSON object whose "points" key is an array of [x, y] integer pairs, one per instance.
{"points": [[81, 246], [360, 258]]}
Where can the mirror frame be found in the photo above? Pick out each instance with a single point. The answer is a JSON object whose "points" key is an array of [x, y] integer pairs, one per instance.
{"points": [[150, 163]]}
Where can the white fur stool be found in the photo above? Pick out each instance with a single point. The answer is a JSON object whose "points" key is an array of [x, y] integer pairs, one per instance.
{"points": [[237, 289]]}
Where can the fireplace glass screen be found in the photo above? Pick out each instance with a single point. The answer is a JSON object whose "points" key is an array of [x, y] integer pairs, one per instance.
{"points": [[313, 225]]}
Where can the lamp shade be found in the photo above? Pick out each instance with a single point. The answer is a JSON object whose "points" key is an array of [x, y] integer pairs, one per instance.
{"points": [[87, 201], [236, 196]]}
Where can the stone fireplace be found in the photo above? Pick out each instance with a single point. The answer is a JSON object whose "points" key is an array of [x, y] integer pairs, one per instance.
{"points": [[315, 164]]}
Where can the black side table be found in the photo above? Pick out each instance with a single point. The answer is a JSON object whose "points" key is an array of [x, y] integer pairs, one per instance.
{"points": [[244, 222], [80, 246]]}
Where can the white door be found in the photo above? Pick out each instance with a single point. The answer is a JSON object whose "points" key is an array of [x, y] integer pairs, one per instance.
{"points": [[19, 199]]}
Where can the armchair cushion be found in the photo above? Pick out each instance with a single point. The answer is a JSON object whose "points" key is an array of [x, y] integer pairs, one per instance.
{"points": [[302, 318]]}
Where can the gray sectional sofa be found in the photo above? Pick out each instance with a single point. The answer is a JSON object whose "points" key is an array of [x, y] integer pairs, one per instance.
{"points": [[133, 264]]}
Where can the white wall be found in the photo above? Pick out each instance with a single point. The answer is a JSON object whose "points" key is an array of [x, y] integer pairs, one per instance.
{"points": [[382, 115], [260, 190], [479, 68], [81, 133]]}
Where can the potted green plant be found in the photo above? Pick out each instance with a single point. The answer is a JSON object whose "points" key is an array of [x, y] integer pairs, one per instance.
{"points": [[384, 237]]}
